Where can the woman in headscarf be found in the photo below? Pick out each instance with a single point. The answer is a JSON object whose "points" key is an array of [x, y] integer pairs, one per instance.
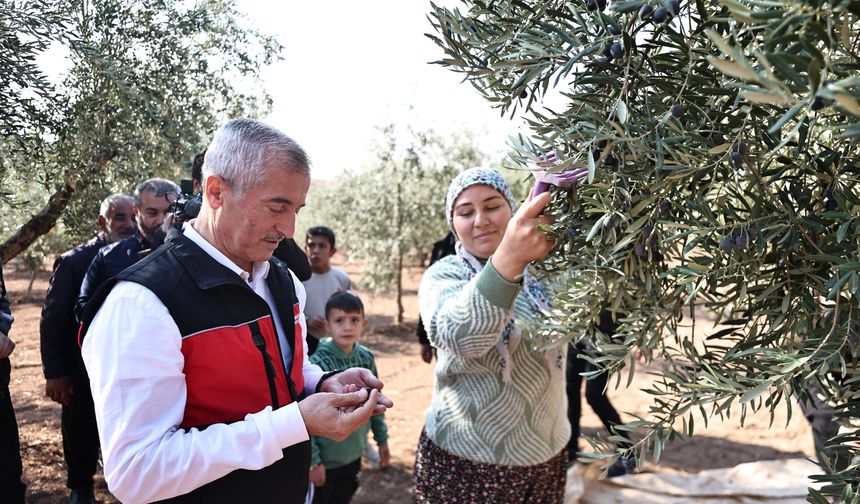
{"points": [[497, 427]]}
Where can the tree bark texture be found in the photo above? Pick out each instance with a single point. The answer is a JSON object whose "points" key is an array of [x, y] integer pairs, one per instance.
{"points": [[39, 224]]}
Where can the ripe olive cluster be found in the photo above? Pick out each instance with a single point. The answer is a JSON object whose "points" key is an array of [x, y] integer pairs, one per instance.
{"points": [[648, 242], [661, 14], [738, 240]]}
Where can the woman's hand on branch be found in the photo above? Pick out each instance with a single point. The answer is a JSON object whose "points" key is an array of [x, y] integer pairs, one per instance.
{"points": [[522, 242]]}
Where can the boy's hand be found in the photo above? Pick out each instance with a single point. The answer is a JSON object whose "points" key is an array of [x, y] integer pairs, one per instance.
{"points": [[384, 457], [318, 475]]}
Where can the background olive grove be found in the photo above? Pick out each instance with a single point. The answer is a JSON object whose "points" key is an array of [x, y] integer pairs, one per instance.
{"points": [[98, 95]]}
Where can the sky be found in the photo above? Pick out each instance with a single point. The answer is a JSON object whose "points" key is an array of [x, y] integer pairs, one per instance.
{"points": [[351, 67]]}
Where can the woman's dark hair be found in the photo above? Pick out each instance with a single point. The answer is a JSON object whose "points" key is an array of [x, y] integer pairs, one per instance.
{"points": [[323, 231], [345, 302]]}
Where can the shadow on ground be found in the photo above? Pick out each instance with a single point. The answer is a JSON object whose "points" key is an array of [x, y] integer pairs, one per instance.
{"points": [[395, 481]]}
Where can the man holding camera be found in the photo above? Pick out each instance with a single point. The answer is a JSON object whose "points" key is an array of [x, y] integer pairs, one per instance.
{"points": [[196, 354], [152, 200], [65, 377]]}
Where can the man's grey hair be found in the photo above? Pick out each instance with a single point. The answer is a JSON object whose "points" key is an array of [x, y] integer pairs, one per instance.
{"points": [[109, 204], [159, 186], [242, 148]]}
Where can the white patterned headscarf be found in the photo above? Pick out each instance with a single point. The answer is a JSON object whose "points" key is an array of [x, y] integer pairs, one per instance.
{"points": [[476, 176]]}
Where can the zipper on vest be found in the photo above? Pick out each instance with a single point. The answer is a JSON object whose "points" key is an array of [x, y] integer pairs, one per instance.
{"points": [[260, 343]]}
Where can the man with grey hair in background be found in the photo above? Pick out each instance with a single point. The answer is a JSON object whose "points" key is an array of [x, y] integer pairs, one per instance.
{"points": [[196, 354], [65, 377], [152, 199]]}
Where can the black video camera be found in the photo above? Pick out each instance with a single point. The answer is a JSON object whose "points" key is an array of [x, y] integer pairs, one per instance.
{"points": [[187, 205]]}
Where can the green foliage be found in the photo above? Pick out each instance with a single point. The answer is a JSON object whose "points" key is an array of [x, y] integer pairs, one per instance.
{"points": [[389, 214], [722, 145], [146, 84]]}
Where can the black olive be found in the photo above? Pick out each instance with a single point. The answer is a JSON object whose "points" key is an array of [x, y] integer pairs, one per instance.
{"points": [[741, 148], [611, 161], [660, 15], [645, 12], [646, 230], [607, 50], [752, 234], [678, 110]]}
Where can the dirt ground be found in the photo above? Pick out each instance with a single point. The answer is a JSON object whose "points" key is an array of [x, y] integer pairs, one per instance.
{"points": [[408, 383]]}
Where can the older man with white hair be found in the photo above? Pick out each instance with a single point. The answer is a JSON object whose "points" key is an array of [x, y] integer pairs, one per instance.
{"points": [[196, 354]]}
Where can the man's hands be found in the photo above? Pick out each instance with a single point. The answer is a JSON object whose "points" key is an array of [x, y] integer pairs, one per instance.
{"points": [[318, 475], [317, 325], [343, 404], [337, 415], [523, 243], [7, 346], [353, 379], [60, 389]]}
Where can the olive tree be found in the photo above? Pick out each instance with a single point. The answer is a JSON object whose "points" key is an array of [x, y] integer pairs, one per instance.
{"points": [[721, 141], [146, 83], [388, 214]]}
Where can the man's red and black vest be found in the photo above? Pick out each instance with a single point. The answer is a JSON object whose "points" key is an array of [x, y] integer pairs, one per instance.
{"points": [[233, 360]]}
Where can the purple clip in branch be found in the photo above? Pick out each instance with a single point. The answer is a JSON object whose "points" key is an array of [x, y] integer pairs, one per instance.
{"points": [[564, 179]]}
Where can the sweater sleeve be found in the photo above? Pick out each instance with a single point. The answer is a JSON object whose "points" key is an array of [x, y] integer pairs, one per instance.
{"points": [[316, 458], [462, 316]]}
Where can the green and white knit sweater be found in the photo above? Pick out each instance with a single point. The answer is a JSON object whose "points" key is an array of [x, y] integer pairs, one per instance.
{"points": [[474, 414]]}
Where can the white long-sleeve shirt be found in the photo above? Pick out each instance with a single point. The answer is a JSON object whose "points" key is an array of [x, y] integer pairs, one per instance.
{"points": [[133, 356]]}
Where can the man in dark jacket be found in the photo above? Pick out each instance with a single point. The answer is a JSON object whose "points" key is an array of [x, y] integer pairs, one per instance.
{"points": [[65, 377], [152, 199], [11, 487]]}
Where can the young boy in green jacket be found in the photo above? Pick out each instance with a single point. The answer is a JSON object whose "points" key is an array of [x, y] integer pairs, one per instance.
{"points": [[335, 465]]}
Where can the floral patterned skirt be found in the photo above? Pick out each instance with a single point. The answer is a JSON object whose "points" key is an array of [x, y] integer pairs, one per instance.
{"points": [[441, 477]]}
